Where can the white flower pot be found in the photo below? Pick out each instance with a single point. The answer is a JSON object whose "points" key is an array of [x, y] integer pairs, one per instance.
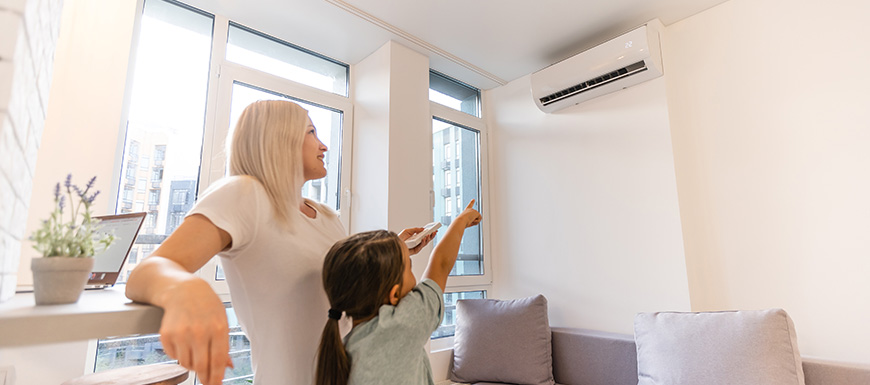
{"points": [[59, 280]]}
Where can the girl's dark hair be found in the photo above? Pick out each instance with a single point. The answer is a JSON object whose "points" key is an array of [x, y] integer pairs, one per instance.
{"points": [[358, 274]]}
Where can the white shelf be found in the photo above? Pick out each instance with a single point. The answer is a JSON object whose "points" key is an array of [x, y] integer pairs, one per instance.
{"points": [[97, 314]]}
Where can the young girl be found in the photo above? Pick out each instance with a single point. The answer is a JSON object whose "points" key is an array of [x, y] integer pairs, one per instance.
{"points": [[368, 276]]}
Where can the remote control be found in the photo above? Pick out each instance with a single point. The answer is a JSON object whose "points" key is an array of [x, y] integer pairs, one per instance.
{"points": [[417, 238]]}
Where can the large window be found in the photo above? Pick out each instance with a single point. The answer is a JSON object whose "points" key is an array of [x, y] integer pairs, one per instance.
{"points": [[456, 157], [180, 116], [458, 176], [280, 58], [448, 323]]}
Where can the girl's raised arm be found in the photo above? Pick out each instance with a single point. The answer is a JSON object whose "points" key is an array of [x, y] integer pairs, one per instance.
{"points": [[444, 256]]}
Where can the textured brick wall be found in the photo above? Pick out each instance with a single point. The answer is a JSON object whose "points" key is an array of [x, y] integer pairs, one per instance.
{"points": [[28, 37]]}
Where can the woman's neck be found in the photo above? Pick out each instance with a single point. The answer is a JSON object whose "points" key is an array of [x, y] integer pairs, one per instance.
{"points": [[306, 209]]}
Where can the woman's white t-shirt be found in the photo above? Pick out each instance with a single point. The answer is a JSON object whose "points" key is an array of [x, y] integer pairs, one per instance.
{"points": [[274, 276]]}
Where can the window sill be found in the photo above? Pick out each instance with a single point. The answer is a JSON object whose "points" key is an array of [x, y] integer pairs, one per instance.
{"points": [[97, 314]]}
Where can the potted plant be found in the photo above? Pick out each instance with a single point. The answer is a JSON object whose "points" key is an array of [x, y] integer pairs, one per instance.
{"points": [[68, 241]]}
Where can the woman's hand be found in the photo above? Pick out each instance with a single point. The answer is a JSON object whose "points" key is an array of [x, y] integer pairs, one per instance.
{"points": [[195, 332], [194, 329], [409, 232]]}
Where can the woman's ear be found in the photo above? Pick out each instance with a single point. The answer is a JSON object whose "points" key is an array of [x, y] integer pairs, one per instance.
{"points": [[394, 295]]}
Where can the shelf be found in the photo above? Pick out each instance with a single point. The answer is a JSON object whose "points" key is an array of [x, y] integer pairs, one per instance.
{"points": [[97, 314]]}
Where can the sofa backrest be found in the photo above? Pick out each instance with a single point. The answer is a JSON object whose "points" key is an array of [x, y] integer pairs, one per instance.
{"points": [[590, 357]]}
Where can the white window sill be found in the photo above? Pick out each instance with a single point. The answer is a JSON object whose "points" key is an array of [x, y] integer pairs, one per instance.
{"points": [[97, 314]]}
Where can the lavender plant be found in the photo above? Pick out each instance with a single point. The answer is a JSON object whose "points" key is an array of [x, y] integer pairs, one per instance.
{"points": [[72, 231]]}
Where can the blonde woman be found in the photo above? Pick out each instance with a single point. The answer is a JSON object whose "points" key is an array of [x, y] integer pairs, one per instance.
{"points": [[272, 243]]}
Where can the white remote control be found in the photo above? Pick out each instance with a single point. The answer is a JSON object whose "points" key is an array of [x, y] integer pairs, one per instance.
{"points": [[417, 238]]}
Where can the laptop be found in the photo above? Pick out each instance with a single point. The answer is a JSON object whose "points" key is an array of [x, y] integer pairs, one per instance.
{"points": [[108, 264]]}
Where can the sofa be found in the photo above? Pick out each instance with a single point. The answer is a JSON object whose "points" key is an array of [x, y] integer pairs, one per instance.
{"points": [[590, 357], [510, 341]]}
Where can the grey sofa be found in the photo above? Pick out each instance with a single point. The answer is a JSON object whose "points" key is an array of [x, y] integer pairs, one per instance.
{"points": [[588, 357]]}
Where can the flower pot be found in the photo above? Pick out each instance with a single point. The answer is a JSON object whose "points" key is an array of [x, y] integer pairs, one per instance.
{"points": [[59, 280]]}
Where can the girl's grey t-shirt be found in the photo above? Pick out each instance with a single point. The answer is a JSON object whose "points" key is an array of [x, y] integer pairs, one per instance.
{"points": [[390, 348]]}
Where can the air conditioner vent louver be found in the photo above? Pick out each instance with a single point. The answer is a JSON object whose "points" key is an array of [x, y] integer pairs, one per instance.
{"points": [[591, 84]]}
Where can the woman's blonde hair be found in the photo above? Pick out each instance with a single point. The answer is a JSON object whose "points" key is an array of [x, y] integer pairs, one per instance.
{"points": [[267, 145]]}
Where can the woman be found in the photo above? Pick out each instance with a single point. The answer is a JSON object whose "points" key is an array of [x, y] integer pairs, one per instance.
{"points": [[271, 241]]}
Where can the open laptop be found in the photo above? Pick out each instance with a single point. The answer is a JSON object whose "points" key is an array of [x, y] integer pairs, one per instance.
{"points": [[108, 264]]}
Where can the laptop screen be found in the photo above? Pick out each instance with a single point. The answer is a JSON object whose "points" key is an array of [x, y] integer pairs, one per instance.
{"points": [[126, 228]]}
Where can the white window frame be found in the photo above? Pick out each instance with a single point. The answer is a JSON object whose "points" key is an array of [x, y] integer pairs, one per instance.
{"points": [[222, 75], [479, 282]]}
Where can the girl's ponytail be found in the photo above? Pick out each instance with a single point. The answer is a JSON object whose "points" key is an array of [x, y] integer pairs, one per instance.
{"points": [[333, 364]]}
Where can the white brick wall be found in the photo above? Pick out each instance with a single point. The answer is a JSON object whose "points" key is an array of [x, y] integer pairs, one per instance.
{"points": [[28, 37]]}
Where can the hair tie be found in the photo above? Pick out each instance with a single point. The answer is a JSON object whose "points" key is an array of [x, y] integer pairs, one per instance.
{"points": [[335, 314]]}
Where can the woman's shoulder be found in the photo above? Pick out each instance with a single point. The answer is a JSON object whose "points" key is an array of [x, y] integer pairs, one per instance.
{"points": [[236, 185], [321, 208]]}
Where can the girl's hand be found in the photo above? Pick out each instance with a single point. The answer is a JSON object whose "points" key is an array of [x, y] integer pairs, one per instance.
{"points": [[195, 332], [470, 215], [409, 232]]}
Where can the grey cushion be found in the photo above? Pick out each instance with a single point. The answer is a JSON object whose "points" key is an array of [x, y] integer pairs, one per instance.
{"points": [[506, 341], [737, 347]]}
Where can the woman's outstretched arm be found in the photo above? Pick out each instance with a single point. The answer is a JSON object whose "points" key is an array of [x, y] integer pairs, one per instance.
{"points": [[194, 329]]}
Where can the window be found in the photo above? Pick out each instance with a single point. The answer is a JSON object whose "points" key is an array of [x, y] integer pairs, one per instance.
{"points": [[448, 323], [136, 350], [167, 105], [470, 260], [179, 197], [454, 94], [159, 154], [153, 197], [171, 134], [459, 159], [265, 53], [329, 129], [157, 174], [134, 149], [128, 194]]}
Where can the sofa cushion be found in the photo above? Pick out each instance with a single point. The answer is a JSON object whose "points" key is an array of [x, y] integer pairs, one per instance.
{"points": [[734, 347], [507, 341]]}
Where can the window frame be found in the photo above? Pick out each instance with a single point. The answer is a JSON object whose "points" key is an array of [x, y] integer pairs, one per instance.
{"points": [[447, 114], [223, 75]]}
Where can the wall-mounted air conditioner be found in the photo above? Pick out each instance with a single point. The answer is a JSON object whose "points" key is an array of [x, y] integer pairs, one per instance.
{"points": [[620, 63]]}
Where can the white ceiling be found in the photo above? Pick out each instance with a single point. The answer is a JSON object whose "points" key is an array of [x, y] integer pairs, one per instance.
{"points": [[482, 42]]}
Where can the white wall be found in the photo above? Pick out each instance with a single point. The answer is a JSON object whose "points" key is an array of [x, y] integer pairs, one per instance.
{"points": [[84, 113], [28, 36], [769, 112], [80, 137], [584, 206]]}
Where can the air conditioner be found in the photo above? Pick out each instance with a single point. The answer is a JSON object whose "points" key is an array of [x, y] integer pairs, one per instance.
{"points": [[622, 62]]}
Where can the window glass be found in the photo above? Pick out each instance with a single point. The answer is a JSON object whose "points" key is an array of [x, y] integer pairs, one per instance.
{"points": [[279, 58], [122, 352], [163, 143], [465, 171], [454, 94], [167, 115], [328, 123], [448, 323]]}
